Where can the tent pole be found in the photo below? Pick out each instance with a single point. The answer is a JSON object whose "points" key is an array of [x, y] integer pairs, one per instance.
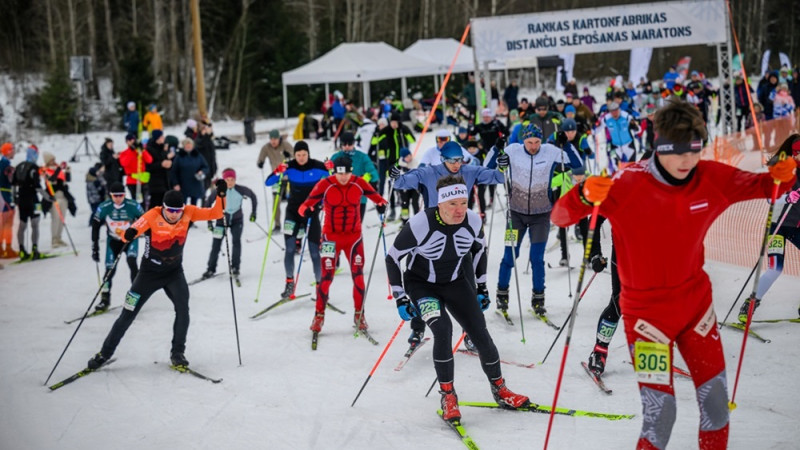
{"points": [[285, 108], [327, 96]]}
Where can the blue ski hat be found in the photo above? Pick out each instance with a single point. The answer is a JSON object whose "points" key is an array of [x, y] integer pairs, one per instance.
{"points": [[569, 125], [32, 154], [531, 131], [451, 150]]}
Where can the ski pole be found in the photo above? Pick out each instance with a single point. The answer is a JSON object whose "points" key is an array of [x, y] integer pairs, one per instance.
{"points": [[563, 325], [586, 251], [375, 256], [455, 349], [266, 249], [230, 278], [744, 286], [378, 362], [266, 233], [383, 237], [761, 257], [491, 221], [514, 240], [99, 289], [302, 251], [97, 268], [60, 214]]}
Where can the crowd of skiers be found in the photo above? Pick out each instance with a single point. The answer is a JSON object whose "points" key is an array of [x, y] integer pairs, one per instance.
{"points": [[544, 152]]}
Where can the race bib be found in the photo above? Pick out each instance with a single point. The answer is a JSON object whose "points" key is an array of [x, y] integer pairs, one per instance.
{"points": [[218, 232], [300, 233], [776, 245], [37, 207], [511, 238], [327, 249], [429, 308], [131, 300], [652, 363], [288, 227], [381, 154]]}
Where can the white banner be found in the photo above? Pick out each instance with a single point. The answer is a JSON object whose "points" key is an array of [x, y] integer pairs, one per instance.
{"points": [[624, 27], [640, 64], [765, 63]]}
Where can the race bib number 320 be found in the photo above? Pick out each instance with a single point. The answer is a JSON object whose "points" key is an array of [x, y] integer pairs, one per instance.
{"points": [[652, 362]]}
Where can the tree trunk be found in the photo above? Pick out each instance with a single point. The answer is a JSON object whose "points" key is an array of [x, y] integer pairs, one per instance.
{"points": [[62, 37], [188, 85], [332, 21], [396, 40], [312, 30], [50, 33], [158, 42], [72, 41], [92, 47], [112, 53], [133, 19], [176, 108], [243, 24]]}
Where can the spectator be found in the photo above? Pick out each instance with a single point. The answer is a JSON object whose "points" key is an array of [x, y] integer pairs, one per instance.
{"points": [[131, 119], [277, 150], [671, 77], [160, 167], [188, 173], [588, 99], [191, 129], [571, 88], [95, 187], [133, 160], [152, 120], [205, 146], [510, 95], [112, 171], [56, 178]]}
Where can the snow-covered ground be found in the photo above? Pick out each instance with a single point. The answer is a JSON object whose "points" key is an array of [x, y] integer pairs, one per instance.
{"points": [[285, 396]]}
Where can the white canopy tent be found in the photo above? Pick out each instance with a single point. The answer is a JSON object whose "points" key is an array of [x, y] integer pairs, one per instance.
{"points": [[357, 62]]}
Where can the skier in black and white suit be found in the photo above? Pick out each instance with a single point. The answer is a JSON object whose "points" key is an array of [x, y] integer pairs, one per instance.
{"points": [[434, 284]]}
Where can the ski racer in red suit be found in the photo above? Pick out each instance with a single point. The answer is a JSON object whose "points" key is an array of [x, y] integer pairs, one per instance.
{"points": [[666, 295], [341, 199]]}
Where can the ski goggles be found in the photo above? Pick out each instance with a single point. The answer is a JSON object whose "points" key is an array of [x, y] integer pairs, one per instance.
{"points": [[457, 159], [442, 138], [117, 194], [664, 146], [172, 210]]}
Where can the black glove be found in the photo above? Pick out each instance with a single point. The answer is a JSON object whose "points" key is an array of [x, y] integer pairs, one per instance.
{"points": [[395, 172], [380, 208], [500, 143], [503, 160], [260, 164], [561, 139], [95, 252], [130, 234], [598, 263], [252, 217], [222, 188], [483, 297], [210, 226], [405, 309]]}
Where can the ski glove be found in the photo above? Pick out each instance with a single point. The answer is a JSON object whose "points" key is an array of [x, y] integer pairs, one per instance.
{"points": [[405, 308], [793, 197], [253, 217], [395, 172], [282, 168], [260, 164], [483, 297], [503, 160], [305, 211], [130, 234], [222, 188], [595, 189], [598, 263], [95, 252], [329, 164], [783, 171], [381, 208], [500, 144]]}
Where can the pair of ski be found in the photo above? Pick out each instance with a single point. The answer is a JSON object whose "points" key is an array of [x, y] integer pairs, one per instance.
{"points": [[468, 442], [750, 332], [95, 313], [598, 379], [235, 279], [285, 300], [504, 314], [356, 334], [41, 257], [87, 371]]}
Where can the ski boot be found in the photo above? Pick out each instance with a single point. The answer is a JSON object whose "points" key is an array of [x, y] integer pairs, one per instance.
{"points": [[404, 214], [289, 289], [450, 412], [502, 299], [597, 360], [316, 324], [505, 398], [105, 301], [207, 274], [537, 303], [392, 216], [35, 253], [96, 361], [178, 360], [23, 255], [563, 262], [416, 337], [360, 321], [469, 344], [745, 307]]}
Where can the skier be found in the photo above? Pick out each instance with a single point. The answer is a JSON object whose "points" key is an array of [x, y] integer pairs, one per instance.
{"points": [[666, 295], [530, 168], [618, 126], [6, 201], [340, 195], [27, 192], [117, 214], [133, 160], [389, 140], [436, 282], [302, 173], [234, 218], [788, 232], [277, 150], [432, 156], [362, 165], [56, 178], [165, 228]]}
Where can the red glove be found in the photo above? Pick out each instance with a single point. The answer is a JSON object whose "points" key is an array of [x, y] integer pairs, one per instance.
{"points": [[64, 165], [329, 164], [282, 168], [595, 189], [303, 210], [783, 171]]}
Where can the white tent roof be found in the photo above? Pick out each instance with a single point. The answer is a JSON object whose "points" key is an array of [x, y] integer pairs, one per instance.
{"points": [[440, 52], [356, 62]]}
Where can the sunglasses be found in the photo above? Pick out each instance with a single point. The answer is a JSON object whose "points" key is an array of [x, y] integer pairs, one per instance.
{"points": [[172, 210], [442, 139], [118, 195], [541, 109], [455, 160]]}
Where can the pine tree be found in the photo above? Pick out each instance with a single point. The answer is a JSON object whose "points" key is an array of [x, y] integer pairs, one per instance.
{"points": [[56, 103], [136, 79]]}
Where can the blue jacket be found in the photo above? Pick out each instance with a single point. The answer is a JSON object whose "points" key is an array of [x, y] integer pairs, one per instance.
{"points": [[302, 180], [424, 179], [618, 130], [131, 122], [184, 168], [338, 110]]}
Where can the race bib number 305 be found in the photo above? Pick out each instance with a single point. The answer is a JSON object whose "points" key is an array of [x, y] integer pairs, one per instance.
{"points": [[652, 362]]}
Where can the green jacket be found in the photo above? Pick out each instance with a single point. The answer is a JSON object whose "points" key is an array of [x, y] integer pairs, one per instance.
{"points": [[362, 167]]}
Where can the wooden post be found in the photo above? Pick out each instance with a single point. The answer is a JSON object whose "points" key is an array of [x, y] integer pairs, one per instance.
{"points": [[197, 40]]}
